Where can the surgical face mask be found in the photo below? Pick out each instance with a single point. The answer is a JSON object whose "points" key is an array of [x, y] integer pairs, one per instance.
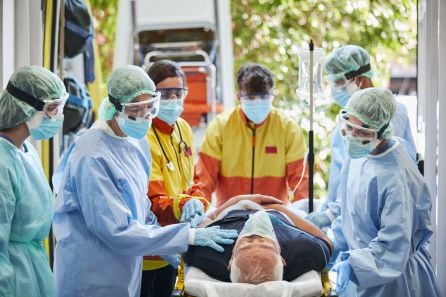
{"points": [[341, 94], [256, 110], [259, 224], [134, 128], [170, 110], [358, 147], [43, 127], [352, 87]]}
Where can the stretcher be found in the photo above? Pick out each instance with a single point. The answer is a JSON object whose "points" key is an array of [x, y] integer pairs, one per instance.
{"points": [[195, 283]]}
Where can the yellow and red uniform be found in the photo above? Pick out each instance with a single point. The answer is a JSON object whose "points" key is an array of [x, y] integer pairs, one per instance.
{"points": [[238, 157], [170, 189]]}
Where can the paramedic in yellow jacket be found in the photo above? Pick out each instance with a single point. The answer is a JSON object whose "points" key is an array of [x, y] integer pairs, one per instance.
{"points": [[254, 148], [174, 196]]}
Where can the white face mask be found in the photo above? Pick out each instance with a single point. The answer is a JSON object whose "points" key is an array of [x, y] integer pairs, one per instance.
{"points": [[259, 224]]}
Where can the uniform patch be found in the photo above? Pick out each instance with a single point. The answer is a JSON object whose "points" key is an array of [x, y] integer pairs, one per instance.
{"points": [[187, 151], [271, 149]]}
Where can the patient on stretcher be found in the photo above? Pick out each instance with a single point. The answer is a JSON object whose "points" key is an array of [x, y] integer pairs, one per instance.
{"points": [[274, 243]]}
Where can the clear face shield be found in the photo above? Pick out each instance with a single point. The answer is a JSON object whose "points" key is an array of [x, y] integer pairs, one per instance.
{"points": [[142, 110], [361, 135]]}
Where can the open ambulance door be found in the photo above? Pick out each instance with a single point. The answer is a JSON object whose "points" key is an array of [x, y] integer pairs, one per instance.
{"points": [[194, 33]]}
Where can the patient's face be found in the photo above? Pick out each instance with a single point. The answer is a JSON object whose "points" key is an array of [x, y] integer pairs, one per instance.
{"points": [[255, 244], [256, 248], [256, 252]]}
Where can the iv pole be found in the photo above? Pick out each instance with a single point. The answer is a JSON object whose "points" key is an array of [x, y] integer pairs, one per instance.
{"points": [[310, 135]]}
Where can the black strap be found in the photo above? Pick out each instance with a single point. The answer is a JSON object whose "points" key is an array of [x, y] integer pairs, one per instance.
{"points": [[381, 131], [355, 73], [78, 30], [25, 97], [115, 102]]}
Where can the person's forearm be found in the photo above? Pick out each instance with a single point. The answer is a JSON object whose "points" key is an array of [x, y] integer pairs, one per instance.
{"points": [[232, 201], [257, 198], [301, 223]]}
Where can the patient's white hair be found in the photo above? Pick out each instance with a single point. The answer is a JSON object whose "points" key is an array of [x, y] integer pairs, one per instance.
{"points": [[257, 272]]}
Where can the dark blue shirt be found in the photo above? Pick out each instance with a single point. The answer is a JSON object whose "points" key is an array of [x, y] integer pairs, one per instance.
{"points": [[301, 251]]}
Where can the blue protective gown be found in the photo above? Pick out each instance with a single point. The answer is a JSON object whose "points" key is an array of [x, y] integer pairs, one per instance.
{"points": [[400, 127], [26, 210], [385, 226], [103, 222]]}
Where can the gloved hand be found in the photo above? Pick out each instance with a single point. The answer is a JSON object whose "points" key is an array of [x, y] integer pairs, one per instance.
{"points": [[320, 218], [173, 260], [190, 209], [211, 236], [345, 272], [196, 220], [333, 257]]}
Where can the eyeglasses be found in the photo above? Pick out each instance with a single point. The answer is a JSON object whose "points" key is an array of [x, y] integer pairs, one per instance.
{"points": [[172, 93], [142, 110], [348, 128], [54, 107], [253, 96]]}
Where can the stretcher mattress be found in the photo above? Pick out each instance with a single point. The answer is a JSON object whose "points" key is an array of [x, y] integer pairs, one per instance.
{"points": [[199, 284]]}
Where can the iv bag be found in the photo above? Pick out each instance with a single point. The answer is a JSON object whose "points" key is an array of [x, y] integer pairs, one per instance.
{"points": [[303, 90]]}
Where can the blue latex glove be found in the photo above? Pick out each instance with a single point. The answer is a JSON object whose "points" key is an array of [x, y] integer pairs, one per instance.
{"points": [[212, 236], [333, 258], [320, 218], [173, 260], [345, 273], [196, 220], [190, 209]]}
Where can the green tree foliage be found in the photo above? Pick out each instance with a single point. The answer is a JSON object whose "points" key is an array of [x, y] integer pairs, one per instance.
{"points": [[272, 31], [105, 14]]}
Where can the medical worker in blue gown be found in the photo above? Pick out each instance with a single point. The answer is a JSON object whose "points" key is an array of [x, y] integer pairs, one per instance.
{"points": [[385, 224], [349, 70], [32, 104], [103, 222]]}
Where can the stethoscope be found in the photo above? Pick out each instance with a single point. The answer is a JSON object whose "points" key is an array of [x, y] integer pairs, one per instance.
{"points": [[182, 146]]}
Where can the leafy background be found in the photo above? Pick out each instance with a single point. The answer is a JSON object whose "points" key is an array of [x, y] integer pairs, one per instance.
{"points": [[272, 31]]}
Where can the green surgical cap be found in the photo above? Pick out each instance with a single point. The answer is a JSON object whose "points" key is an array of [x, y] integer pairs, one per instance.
{"points": [[346, 59], [36, 81], [374, 107], [124, 84]]}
